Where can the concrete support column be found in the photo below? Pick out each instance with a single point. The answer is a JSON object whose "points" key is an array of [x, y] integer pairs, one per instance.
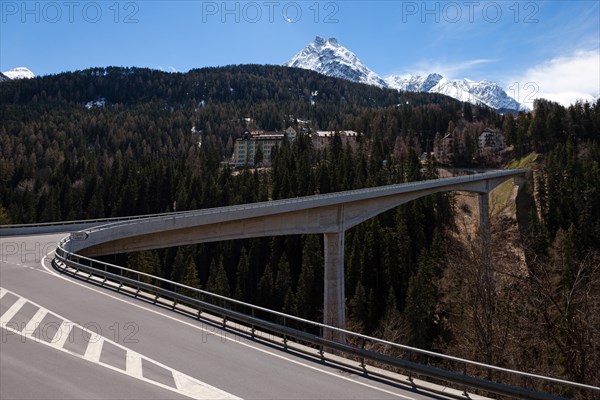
{"points": [[484, 218], [485, 241], [334, 293]]}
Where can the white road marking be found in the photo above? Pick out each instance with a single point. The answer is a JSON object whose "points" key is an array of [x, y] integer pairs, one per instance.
{"points": [[12, 311], [94, 348], [2, 293], [134, 364], [192, 387], [34, 322], [62, 334], [276, 355]]}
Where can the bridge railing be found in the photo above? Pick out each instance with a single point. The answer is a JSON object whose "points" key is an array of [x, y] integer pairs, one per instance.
{"points": [[105, 223], [63, 226], [323, 197], [476, 175], [255, 321]]}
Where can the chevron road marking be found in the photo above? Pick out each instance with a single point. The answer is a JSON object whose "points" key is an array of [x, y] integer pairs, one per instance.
{"points": [[12, 311], [183, 384]]}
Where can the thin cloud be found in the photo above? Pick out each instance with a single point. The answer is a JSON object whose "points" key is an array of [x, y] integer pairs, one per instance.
{"points": [[564, 79]]}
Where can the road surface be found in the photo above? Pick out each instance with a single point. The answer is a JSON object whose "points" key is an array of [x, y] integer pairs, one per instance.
{"points": [[114, 346]]}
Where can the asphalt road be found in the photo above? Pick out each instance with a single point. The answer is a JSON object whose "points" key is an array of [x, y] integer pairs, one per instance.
{"points": [[147, 352]]}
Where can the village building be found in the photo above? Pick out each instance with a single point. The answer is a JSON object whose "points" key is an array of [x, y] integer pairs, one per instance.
{"points": [[490, 142], [248, 146], [447, 148], [321, 140]]}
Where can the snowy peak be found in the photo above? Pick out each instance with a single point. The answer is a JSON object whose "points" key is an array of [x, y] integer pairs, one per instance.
{"points": [[484, 92], [19, 73], [330, 58], [4, 78], [415, 83], [467, 90]]}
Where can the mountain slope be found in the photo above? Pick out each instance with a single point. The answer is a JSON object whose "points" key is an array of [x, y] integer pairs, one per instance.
{"points": [[330, 58], [4, 78]]}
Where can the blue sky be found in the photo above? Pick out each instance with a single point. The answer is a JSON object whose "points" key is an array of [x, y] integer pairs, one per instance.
{"points": [[548, 47]]}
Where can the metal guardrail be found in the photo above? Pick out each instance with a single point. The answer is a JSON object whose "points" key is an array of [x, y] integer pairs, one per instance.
{"points": [[301, 330], [80, 222]]}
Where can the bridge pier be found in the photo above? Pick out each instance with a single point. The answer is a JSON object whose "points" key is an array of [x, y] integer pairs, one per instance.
{"points": [[334, 294], [484, 218], [485, 240]]}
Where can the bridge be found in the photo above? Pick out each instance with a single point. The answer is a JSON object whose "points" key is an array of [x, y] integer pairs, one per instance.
{"points": [[175, 369], [329, 214]]}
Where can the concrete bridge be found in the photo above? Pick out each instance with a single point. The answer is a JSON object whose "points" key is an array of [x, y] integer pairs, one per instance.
{"points": [[329, 214]]}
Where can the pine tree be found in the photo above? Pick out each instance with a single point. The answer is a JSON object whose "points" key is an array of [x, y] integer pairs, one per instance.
{"points": [[4, 218], [146, 262], [309, 294], [244, 286], [265, 288], [217, 280], [359, 310], [421, 300], [190, 278], [180, 263], [282, 283], [258, 156]]}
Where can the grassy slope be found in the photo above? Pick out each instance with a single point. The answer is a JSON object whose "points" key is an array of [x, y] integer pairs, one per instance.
{"points": [[503, 197]]}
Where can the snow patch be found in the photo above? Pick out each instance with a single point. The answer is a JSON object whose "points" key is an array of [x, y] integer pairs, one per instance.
{"points": [[100, 102]]}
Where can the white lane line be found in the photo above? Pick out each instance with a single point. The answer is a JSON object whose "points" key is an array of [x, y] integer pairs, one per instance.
{"points": [[191, 387], [224, 336], [198, 390], [2, 293], [12, 311], [134, 364], [94, 348], [34, 322], [62, 334]]}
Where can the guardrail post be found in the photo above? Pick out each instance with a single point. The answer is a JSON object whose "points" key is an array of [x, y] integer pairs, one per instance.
{"points": [[321, 347], [253, 323], [284, 335], [362, 358]]}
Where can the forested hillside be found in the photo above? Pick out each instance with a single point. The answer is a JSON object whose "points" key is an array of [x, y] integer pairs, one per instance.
{"points": [[113, 142]]}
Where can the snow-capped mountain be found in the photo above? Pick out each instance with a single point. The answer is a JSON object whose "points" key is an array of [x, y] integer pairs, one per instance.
{"points": [[485, 92], [19, 73], [4, 78], [329, 58], [414, 83]]}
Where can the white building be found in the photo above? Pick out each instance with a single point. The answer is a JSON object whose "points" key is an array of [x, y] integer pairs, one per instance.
{"points": [[321, 140], [490, 142], [247, 146]]}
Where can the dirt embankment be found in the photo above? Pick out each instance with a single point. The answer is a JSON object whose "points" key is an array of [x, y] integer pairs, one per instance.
{"points": [[510, 207]]}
